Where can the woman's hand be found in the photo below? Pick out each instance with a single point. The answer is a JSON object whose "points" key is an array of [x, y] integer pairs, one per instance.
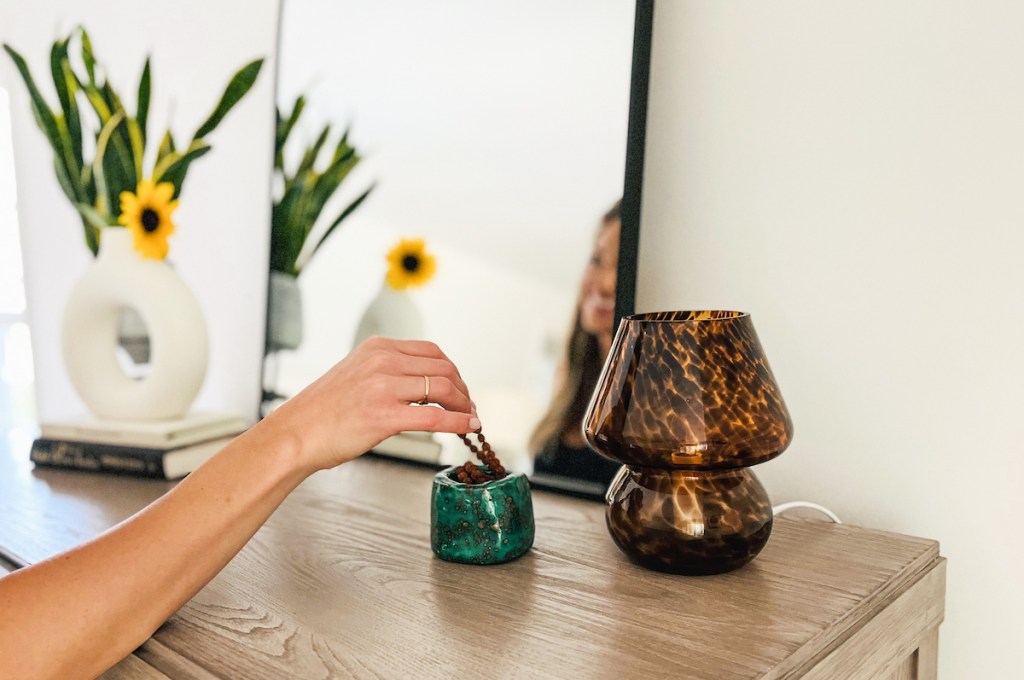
{"points": [[371, 395]]}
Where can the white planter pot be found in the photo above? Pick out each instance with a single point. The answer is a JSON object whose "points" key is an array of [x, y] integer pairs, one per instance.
{"points": [[392, 314], [284, 313], [120, 278]]}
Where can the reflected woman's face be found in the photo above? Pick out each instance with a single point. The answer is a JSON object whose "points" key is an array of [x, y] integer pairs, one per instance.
{"points": [[597, 296]]}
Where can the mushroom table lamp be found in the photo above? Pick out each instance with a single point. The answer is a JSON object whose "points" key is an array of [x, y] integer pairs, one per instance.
{"points": [[687, 402]]}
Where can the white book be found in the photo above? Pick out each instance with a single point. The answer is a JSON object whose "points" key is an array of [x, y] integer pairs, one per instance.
{"points": [[162, 434]]}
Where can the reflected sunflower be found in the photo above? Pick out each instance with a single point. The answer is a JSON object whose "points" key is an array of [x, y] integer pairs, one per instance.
{"points": [[409, 264], [147, 214]]}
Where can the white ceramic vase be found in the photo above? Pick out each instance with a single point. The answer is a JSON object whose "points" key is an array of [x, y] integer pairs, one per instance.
{"points": [[392, 314], [121, 278]]}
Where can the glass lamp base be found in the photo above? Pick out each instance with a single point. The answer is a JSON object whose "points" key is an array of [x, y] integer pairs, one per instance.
{"points": [[693, 522]]}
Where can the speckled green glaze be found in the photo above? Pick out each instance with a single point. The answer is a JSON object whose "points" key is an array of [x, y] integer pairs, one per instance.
{"points": [[485, 523]]}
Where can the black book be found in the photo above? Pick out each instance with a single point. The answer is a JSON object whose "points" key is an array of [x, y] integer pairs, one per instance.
{"points": [[161, 463]]}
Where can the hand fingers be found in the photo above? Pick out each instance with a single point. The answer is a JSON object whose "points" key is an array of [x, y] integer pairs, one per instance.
{"points": [[410, 389], [432, 419], [434, 369], [419, 348]]}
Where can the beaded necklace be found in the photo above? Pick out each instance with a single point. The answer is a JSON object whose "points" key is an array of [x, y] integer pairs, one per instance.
{"points": [[469, 473]]}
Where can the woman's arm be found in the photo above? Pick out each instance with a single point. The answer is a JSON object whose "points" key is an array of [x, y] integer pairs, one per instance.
{"points": [[80, 612]]}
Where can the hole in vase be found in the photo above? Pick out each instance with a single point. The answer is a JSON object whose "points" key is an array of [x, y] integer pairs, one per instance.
{"points": [[133, 350]]}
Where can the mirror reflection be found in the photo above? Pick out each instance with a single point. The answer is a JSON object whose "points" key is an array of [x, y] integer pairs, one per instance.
{"points": [[488, 152], [557, 443]]}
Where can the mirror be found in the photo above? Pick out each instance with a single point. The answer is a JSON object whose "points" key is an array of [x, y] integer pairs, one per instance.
{"points": [[495, 134]]}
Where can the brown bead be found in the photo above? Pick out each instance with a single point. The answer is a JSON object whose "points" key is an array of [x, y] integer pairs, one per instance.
{"points": [[470, 473]]}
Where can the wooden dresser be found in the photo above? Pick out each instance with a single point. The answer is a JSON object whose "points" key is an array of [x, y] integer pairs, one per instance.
{"points": [[341, 582]]}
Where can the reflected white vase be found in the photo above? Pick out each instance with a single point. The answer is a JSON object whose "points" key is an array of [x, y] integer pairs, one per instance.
{"points": [[392, 314], [121, 278]]}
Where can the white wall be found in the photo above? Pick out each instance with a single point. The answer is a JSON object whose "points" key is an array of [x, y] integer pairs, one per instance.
{"points": [[851, 173], [221, 245]]}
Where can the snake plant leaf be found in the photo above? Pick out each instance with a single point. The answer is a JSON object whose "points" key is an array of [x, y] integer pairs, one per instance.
{"points": [[116, 179], [101, 103], [73, 114], [63, 180], [138, 144], [48, 123], [122, 163], [105, 201], [90, 85], [298, 221], [309, 158], [93, 216], [93, 223], [284, 129], [87, 55], [87, 181], [67, 88], [343, 149], [339, 219], [327, 183], [142, 109], [173, 156], [278, 148], [240, 83], [90, 232], [166, 146], [95, 98], [111, 98], [124, 146], [287, 231], [175, 170]]}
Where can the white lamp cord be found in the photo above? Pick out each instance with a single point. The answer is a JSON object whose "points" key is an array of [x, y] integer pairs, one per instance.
{"points": [[779, 509]]}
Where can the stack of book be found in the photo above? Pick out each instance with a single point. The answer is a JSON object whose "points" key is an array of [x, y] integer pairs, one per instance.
{"points": [[166, 449]]}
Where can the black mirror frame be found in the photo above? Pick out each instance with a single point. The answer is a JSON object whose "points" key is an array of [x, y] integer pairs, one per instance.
{"points": [[636, 142]]}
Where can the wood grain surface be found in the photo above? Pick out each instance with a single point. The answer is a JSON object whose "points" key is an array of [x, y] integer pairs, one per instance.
{"points": [[133, 668], [885, 644], [341, 582], [45, 511]]}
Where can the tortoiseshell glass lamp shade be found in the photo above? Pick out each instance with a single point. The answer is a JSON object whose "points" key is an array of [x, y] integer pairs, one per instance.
{"points": [[687, 402]]}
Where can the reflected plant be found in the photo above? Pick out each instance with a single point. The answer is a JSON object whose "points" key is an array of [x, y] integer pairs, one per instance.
{"points": [[94, 185], [301, 196]]}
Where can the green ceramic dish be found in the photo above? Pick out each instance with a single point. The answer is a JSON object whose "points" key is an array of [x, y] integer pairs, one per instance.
{"points": [[485, 523]]}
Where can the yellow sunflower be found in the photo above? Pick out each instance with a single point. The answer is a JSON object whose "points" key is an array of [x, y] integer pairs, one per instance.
{"points": [[147, 214], [409, 264]]}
